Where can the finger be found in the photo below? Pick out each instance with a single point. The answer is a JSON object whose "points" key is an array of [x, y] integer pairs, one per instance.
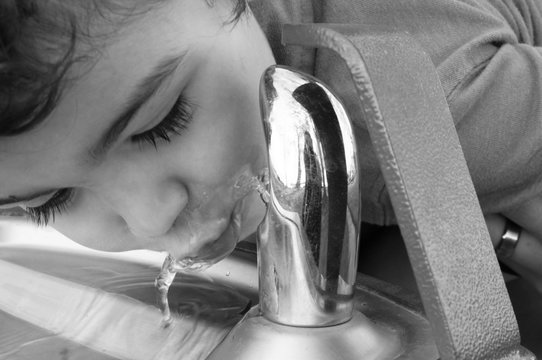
{"points": [[526, 259], [528, 215], [495, 225], [528, 253]]}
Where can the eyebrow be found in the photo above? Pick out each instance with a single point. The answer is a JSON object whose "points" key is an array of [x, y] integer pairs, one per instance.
{"points": [[144, 91]]}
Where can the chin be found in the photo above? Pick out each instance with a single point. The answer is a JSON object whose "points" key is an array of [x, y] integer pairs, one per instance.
{"points": [[206, 243], [253, 215]]}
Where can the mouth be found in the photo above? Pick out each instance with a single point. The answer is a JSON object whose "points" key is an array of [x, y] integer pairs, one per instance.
{"points": [[209, 233], [216, 250], [204, 243]]}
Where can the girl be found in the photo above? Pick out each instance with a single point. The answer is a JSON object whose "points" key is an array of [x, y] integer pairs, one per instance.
{"points": [[135, 124]]}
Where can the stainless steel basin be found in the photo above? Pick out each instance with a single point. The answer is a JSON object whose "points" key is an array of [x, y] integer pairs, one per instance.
{"points": [[211, 302]]}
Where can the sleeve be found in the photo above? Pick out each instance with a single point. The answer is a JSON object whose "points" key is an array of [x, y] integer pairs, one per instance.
{"points": [[488, 56], [498, 111]]}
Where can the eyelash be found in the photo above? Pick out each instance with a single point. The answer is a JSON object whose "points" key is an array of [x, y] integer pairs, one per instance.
{"points": [[55, 205], [175, 122]]}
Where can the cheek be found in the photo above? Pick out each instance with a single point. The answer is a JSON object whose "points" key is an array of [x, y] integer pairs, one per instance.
{"points": [[220, 149], [93, 225]]}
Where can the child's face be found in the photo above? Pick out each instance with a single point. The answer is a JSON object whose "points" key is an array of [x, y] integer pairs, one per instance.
{"points": [[183, 194]]}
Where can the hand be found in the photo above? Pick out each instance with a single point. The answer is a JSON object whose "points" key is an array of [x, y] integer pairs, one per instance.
{"points": [[526, 259]]}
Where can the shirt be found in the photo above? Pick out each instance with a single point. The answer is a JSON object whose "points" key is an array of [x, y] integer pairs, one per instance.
{"points": [[488, 57]]}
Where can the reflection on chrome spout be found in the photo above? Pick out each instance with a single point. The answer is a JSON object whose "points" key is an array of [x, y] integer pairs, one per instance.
{"points": [[307, 244], [308, 240]]}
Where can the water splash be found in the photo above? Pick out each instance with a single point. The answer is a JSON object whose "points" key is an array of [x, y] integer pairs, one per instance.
{"points": [[166, 276], [244, 184], [258, 183]]}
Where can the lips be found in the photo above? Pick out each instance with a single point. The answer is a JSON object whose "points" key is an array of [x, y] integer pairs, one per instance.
{"points": [[218, 249], [208, 230], [203, 242]]}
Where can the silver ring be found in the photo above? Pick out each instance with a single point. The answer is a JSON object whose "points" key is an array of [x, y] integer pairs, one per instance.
{"points": [[509, 240]]}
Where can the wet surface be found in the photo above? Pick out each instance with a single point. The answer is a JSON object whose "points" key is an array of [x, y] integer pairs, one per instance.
{"points": [[204, 302], [214, 306]]}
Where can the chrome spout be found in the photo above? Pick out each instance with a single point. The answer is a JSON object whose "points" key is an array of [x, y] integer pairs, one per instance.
{"points": [[308, 239], [307, 243]]}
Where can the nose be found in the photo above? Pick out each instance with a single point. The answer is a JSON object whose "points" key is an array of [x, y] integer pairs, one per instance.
{"points": [[146, 198]]}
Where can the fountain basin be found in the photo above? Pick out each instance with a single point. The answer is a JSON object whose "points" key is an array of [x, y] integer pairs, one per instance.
{"points": [[208, 303]]}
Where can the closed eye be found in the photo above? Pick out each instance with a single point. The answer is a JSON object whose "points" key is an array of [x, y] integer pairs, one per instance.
{"points": [[59, 202], [174, 123]]}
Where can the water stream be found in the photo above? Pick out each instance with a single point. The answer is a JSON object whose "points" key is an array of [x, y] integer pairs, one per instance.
{"points": [[244, 184]]}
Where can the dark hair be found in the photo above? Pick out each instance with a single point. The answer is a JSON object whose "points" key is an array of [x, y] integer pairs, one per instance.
{"points": [[38, 39]]}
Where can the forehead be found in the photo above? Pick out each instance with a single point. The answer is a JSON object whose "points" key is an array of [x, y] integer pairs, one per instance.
{"points": [[120, 56], [49, 154]]}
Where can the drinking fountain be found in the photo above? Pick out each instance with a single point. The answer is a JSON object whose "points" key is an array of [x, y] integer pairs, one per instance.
{"points": [[308, 240], [307, 256]]}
